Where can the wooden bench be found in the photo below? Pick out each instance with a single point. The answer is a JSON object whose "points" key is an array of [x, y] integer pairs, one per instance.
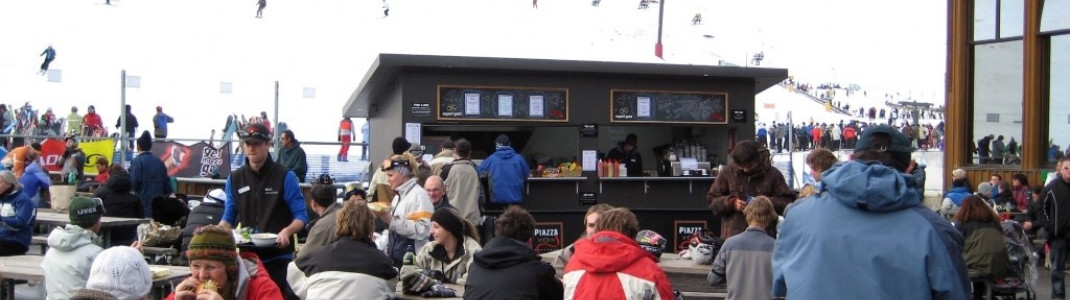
{"points": [[40, 240]]}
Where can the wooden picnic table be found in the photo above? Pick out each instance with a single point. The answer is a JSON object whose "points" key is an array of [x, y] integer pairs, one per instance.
{"points": [[28, 267], [57, 219]]}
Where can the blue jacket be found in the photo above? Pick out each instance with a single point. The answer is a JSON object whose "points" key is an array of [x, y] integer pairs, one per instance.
{"points": [[19, 214], [867, 236], [33, 180], [957, 194], [506, 171], [149, 178]]}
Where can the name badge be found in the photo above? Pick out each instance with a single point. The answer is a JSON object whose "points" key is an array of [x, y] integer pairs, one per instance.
{"points": [[243, 190]]}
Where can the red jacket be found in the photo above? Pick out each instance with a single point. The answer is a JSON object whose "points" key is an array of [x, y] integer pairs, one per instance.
{"points": [[259, 285], [609, 265]]}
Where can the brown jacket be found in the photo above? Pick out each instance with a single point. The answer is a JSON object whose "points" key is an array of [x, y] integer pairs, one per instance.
{"points": [[732, 183]]}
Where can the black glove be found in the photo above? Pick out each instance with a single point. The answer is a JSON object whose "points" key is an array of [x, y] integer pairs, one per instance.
{"points": [[416, 283], [439, 291]]}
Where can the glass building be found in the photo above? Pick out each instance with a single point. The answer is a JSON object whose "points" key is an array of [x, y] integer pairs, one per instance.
{"points": [[1008, 75]]}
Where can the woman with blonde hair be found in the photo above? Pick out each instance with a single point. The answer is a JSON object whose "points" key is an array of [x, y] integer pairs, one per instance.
{"points": [[349, 266], [408, 218]]}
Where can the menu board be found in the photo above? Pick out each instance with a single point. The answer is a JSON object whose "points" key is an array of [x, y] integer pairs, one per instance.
{"points": [[682, 231], [641, 106], [502, 103], [548, 237]]}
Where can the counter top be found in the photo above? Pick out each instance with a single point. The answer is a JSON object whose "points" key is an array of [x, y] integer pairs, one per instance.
{"points": [[577, 178], [673, 178]]}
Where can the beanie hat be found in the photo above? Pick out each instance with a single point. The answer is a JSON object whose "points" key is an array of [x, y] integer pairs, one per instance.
{"points": [[900, 147], [212, 242], [144, 142], [502, 140], [36, 146], [448, 144], [449, 221], [400, 145], [85, 211], [984, 189], [88, 294], [122, 272]]}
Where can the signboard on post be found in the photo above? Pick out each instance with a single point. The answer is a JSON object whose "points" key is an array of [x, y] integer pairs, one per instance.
{"points": [[682, 231], [502, 103], [641, 106], [548, 237]]}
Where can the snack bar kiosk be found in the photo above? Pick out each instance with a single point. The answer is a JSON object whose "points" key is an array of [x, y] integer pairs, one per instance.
{"points": [[564, 117]]}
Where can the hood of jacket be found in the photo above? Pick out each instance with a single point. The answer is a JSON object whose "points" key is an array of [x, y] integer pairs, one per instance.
{"points": [[292, 149], [871, 186], [71, 237], [505, 152], [503, 252], [119, 182], [607, 252]]}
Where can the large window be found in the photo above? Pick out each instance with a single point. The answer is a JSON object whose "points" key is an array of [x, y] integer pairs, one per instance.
{"points": [[997, 102], [1011, 18], [1059, 105], [1056, 16], [984, 20]]}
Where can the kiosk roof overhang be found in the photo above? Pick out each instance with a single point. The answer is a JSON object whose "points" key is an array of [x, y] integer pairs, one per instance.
{"points": [[385, 69]]}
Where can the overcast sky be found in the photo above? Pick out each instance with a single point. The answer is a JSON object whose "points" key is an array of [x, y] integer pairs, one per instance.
{"points": [[183, 49]]}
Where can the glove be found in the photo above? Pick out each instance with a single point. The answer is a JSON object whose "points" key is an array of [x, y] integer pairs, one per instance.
{"points": [[439, 291], [416, 283], [436, 275]]}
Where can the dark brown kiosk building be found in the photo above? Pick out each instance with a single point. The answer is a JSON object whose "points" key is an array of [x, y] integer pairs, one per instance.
{"points": [[558, 111]]}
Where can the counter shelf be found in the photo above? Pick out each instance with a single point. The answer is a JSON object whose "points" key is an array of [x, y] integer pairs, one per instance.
{"points": [[646, 181], [574, 179]]}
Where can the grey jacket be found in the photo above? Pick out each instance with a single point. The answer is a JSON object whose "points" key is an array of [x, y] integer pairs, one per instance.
{"points": [[746, 262]]}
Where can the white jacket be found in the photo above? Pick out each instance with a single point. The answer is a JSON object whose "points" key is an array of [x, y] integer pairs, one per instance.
{"points": [[70, 255], [339, 285], [412, 211]]}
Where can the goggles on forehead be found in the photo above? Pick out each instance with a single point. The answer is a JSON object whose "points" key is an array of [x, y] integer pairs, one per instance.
{"points": [[396, 163]]}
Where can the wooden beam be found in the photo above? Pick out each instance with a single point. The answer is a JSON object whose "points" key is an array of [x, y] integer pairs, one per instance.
{"points": [[957, 117], [1034, 88]]}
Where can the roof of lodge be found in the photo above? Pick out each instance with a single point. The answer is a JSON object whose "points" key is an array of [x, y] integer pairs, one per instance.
{"points": [[387, 66]]}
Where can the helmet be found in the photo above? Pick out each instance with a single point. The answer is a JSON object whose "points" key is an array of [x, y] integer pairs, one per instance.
{"points": [[217, 195], [703, 247], [651, 242], [325, 179]]}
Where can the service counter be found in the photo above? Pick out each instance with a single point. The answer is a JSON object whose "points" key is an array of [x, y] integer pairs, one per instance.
{"points": [[671, 206]]}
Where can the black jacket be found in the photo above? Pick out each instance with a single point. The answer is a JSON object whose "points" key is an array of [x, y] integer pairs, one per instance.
{"points": [[119, 201], [510, 269], [1055, 208], [348, 255], [631, 160], [208, 213], [263, 206]]}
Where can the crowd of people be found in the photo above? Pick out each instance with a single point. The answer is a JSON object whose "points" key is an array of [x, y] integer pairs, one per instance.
{"points": [[421, 225], [836, 136]]}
